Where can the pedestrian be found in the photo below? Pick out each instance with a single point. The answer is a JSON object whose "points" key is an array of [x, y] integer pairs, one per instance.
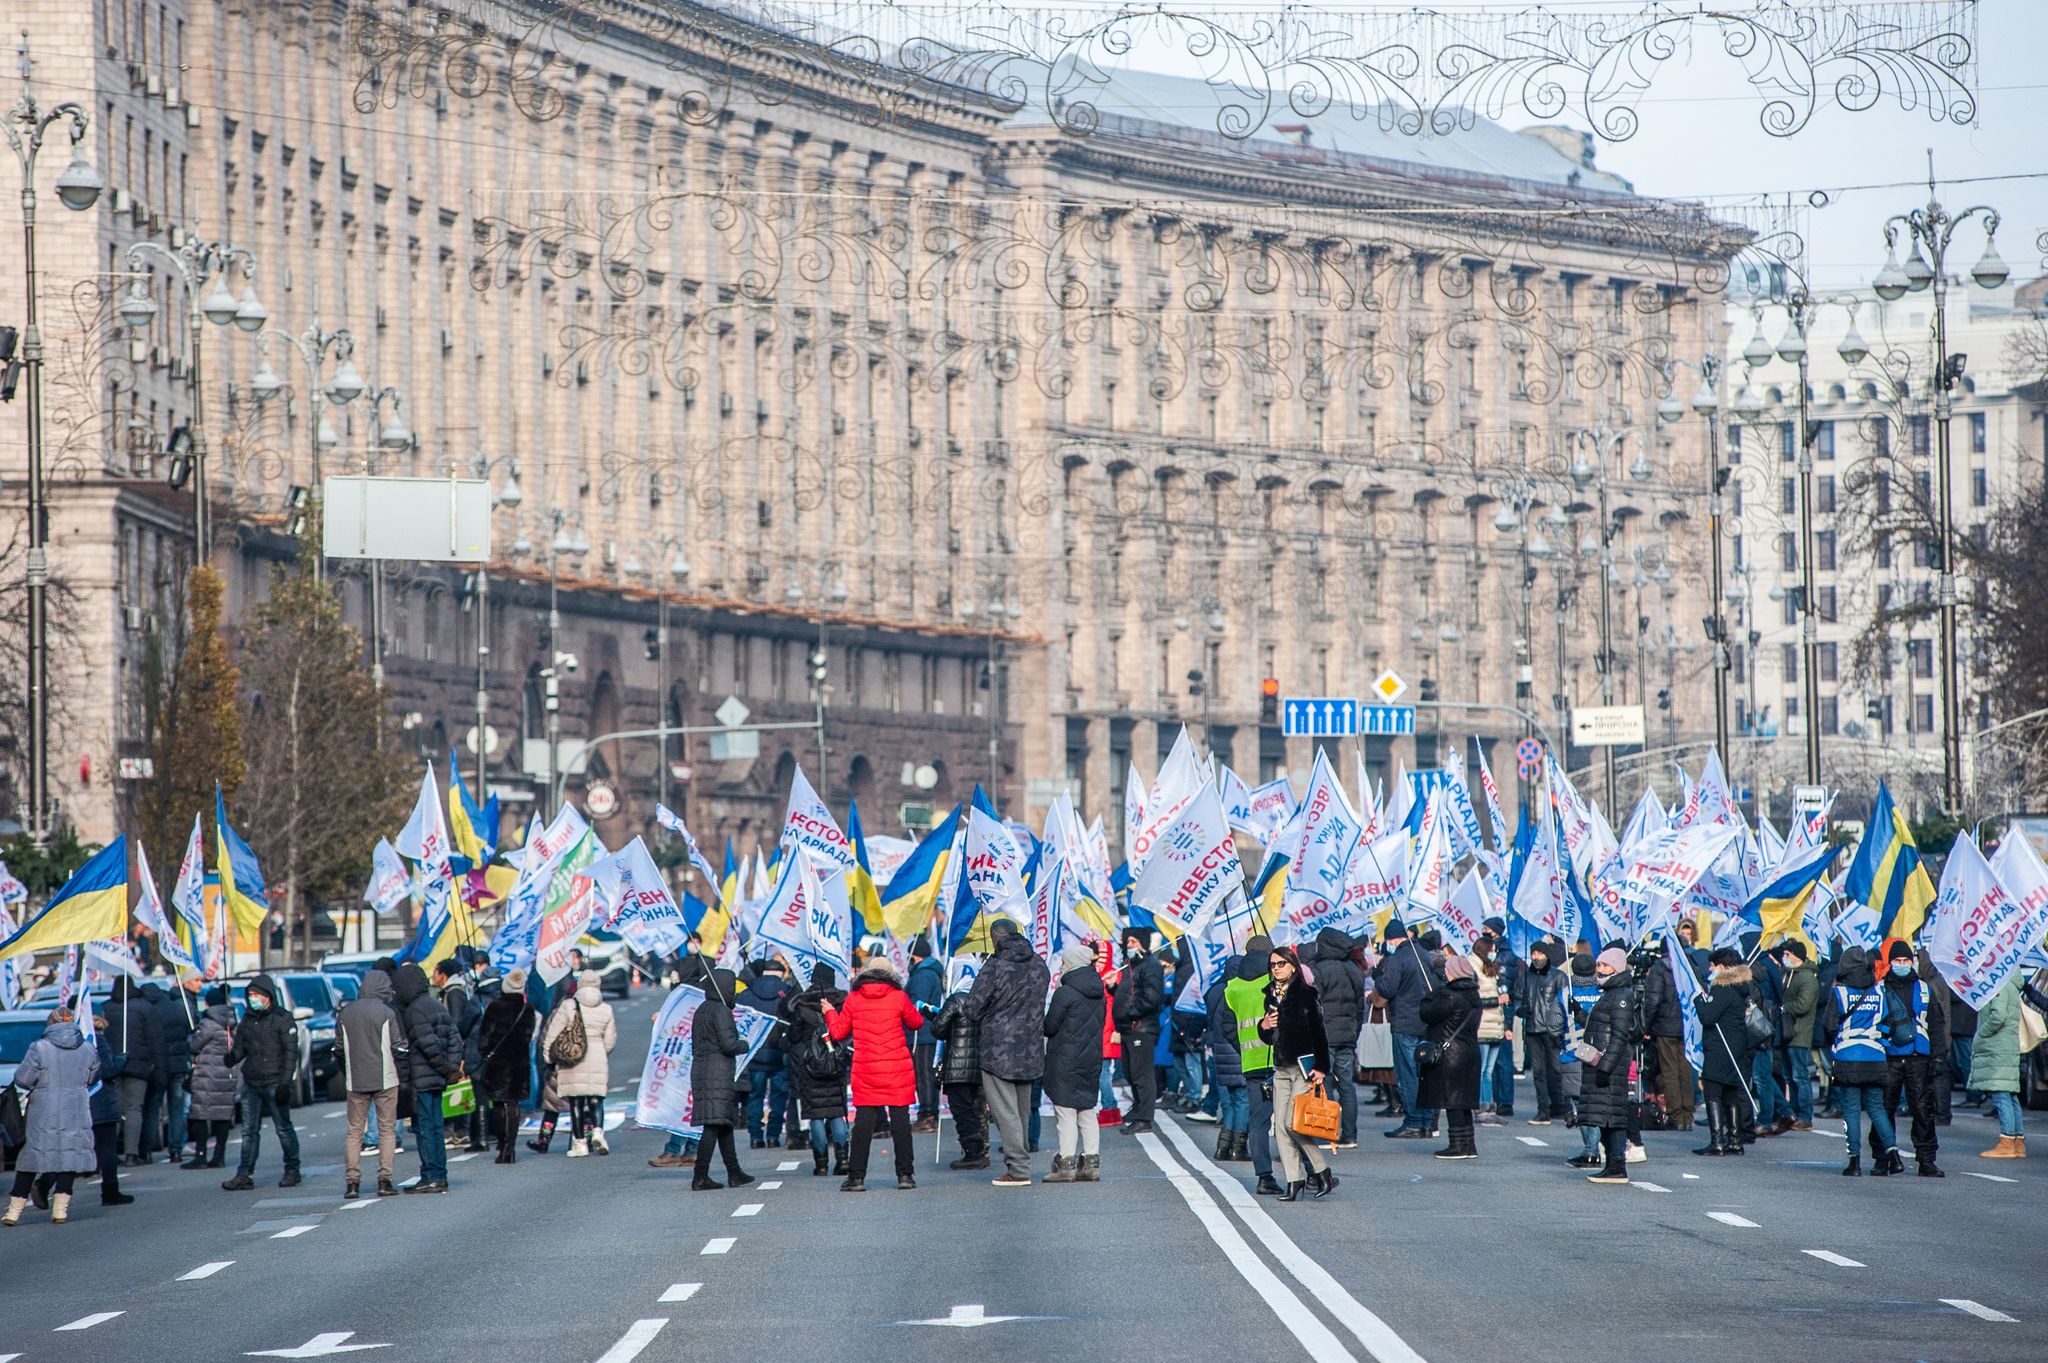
{"points": [[1858, 1020], [1995, 1067], [1451, 1071], [768, 1093], [504, 1073], [878, 1016], [1227, 1068], [926, 986], [1293, 1025], [1340, 989], [266, 1046], [432, 1061], [1663, 1025], [1109, 1114], [1608, 1055], [552, 1108], [371, 1037], [959, 1075], [373, 1134], [1726, 1069], [453, 983], [1508, 968], [1008, 1003], [54, 1077], [1073, 1061], [137, 1040], [1541, 1000], [176, 1020], [1769, 1113], [1246, 996], [1140, 995], [1911, 1053], [818, 1069], [1582, 992], [106, 1124], [582, 1068], [214, 1082], [1403, 978], [1493, 1030], [715, 1049], [1802, 1006]]}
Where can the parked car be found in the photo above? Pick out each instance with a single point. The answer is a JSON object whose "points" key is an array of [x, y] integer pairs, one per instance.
{"points": [[313, 1001], [351, 963], [605, 952], [19, 1029]]}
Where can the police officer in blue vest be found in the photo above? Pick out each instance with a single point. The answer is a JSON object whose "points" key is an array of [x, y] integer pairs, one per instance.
{"points": [[1858, 1021], [1912, 1054]]}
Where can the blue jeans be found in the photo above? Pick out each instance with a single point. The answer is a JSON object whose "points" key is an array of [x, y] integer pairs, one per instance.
{"points": [[431, 1129], [827, 1134], [2008, 1108], [1799, 1060], [679, 1145], [1503, 1086], [178, 1102], [1857, 1100], [1959, 1067], [1344, 1088], [772, 1087], [1763, 1087], [256, 1105], [1406, 1076], [1233, 1107], [1259, 1114], [1108, 1094], [1489, 1063]]}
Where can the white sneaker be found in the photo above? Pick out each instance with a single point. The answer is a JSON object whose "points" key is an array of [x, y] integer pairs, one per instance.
{"points": [[578, 1149], [1637, 1155]]}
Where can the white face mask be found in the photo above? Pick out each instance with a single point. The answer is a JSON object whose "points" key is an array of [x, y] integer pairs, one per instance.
{"points": [[1901, 969]]}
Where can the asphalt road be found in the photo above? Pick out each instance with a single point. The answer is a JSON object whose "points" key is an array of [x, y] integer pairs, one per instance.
{"points": [[1512, 1257]]}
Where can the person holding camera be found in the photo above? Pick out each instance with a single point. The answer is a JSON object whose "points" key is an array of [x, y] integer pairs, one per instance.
{"points": [[266, 1046]]}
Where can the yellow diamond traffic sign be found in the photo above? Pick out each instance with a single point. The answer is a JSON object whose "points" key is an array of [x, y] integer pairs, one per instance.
{"points": [[1389, 687]]}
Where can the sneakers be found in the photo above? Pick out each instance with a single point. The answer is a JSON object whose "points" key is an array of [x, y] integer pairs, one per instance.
{"points": [[115, 1199], [1347, 1145], [385, 1188], [1611, 1173], [853, 1185], [1539, 1120], [352, 1190], [1009, 1180], [434, 1186], [1200, 1116]]}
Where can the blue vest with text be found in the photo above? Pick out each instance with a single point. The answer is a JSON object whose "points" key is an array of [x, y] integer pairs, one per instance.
{"points": [[1861, 1039]]}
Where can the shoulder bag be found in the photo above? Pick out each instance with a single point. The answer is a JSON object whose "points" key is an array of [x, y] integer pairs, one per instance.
{"points": [[1315, 1117], [571, 1044]]}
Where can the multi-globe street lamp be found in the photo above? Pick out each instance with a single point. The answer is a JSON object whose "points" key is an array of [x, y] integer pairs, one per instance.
{"points": [[672, 569]]}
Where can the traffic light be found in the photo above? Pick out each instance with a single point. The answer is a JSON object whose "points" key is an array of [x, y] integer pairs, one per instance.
{"points": [[1427, 689], [651, 641], [10, 368], [1269, 701], [1195, 681], [1664, 700]]}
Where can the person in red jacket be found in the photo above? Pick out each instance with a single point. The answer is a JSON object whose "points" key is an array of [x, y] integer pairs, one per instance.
{"points": [[879, 1017], [1107, 1112]]}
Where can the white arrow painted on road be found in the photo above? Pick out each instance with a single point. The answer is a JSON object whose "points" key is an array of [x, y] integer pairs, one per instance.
{"points": [[966, 1318], [319, 1346]]}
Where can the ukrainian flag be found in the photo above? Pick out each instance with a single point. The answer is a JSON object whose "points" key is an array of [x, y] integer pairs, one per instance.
{"points": [[441, 932], [472, 828], [93, 905], [860, 881], [1779, 905], [1887, 873], [1270, 890], [913, 891], [712, 921], [241, 879]]}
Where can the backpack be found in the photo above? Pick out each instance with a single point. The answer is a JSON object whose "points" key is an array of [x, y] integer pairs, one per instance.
{"points": [[572, 1043], [821, 1058]]}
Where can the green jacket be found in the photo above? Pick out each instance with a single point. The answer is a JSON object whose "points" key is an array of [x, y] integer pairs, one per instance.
{"points": [[1247, 1000], [1802, 1001], [1995, 1054]]}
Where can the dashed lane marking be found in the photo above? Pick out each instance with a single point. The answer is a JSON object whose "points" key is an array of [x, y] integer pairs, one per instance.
{"points": [[468, 1155], [1532, 1140], [1692, 1176], [1977, 1309], [359, 1204], [788, 1166], [750, 1209], [1648, 1186], [205, 1270], [770, 1186], [680, 1291], [1988, 1178], [102, 1317], [638, 1336], [1731, 1219], [1828, 1256], [721, 1245], [289, 1232]]}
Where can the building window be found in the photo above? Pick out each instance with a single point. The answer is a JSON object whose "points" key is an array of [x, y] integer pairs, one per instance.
{"points": [[1788, 442], [1830, 715], [1825, 658], [1824, 440], [1265, 423], [1322, 670], [1922, 653], [1923, 714], [1788, 552], [1824, 550], [1978, 435], [1881, 436], [1788, 499], [1791, 604], [1788, 659], [1827, 604], [1980, 487], [1735, 444], [1882, 486], [1824, 493], [1917, 428]]}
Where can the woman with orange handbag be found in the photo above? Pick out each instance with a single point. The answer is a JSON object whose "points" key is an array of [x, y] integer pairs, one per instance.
{"points": [[1293, 1024]]}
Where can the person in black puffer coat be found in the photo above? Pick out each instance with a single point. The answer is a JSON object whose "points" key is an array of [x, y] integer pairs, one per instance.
{"points": [[820, 1086], [504, 1046], [1226, 1068], [266, 1046], [1293, 1026], [1073, 1066], [959, 1075], [715, 1049], [1726, 1053], [768, 1071], [175, 1025], [1607, 1052], [1340, 986], [106, 1125], [137, 1039], [1008, 1003], [433, 1062], [1452, 1083], [1140, 997]]}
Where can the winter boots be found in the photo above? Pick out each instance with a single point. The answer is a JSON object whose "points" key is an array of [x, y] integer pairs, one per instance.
{"points": [[1091, 1169], [578, 1149], [2008, 1147], [1065, 1169], [597, 1142], [1854, 1168], [839, 1154], [1714, 1145], [1225, 1142], [60, 1208], [1614, 1171], [818, 1163], [15, 1207]]}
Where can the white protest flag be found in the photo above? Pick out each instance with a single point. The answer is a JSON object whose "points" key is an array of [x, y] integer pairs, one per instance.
{"points": [[188, 896], [1817, 918], [1400, 797], [784, 923], [1461, 916], [1134, 811], [1502, 834], [1272, 805], [828, 923], [1645, 823], [150, 913], [994, 867], [1430, 863], [642, 909], [2019, 869], [1770, 846], [389, 880], [1666, 872], [1181, 778], [1096, 881], [810, 825], [12, 891], [1541, 899], [1193, 867], [664, 1099], [673, 822], [1686, 985], [1857, 925], [563, 927], [1046, 909], [1237, 799], [1465, 835], [424, 838], [1330, 829], [1979, 931]]}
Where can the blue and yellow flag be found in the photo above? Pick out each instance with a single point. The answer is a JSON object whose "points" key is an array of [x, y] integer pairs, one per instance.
{"points": [[241, 879], [434, 942], [860, 881], [472, 828], [1887, 874], [1779, 905], [914, 890], [92, 906], [729, 880]]}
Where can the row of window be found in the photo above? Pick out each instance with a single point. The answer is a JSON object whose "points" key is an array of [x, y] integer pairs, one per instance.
{"points": [[1919, 431]]}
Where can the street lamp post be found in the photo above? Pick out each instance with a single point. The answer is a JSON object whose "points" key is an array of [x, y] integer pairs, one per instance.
{"points": [[1933, 228], [392, 436], [573, 546], [1707, 403], [673, 568], [996, 611], [78, 189], [509, 497], [832, 591], [195, 262], [315, 346], [1606, 443]]}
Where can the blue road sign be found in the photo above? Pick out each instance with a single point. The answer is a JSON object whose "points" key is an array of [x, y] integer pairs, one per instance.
{"points": [[1318, 717], [1388, 719]]}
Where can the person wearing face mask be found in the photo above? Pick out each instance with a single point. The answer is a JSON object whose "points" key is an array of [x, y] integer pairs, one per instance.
{"points": [[1802, 1003], [1607, 1055], [1911, 1055], [1856, 1022], [266, 1046]]}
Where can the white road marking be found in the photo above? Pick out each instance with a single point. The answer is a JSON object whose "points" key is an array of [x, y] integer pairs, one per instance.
{"points": [[1988, 1178], [770, 1186], [612, 1122], [721, 1245], [1648, 1186], [339, 1112], [99, 1318], [1977, 1309], [638, 1336], [8, 1358], [749, 1209], [966, 1317], [788, 1166], [319, 1346], [1828, 1256], [1532, 1140], [1375, 1334], [359, 1204], [290, 1232], [295, 1201], [680, 1291], [1314, 1336], [205, 1270], [1731, 1219], [1692, 1176], [457, 1159]]}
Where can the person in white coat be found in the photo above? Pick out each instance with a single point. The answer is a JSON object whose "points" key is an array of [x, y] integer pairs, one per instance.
{"points": [[583, 1072]]}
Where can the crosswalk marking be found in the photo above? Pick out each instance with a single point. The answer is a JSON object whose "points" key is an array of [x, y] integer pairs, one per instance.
{"points": [[1977, 1309]]}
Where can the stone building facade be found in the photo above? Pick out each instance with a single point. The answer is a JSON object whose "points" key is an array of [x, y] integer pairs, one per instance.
{"points": [[1055, 442]]}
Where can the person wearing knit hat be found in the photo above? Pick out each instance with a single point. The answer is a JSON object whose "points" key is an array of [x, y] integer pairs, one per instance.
{"points": [[1073, 1065], [1912, 1053], [1139, 999], [1606, 1053]]}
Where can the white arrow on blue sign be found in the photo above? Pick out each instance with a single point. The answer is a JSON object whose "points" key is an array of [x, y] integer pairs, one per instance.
{"points": [[1319, 716], [1389, 719]]}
